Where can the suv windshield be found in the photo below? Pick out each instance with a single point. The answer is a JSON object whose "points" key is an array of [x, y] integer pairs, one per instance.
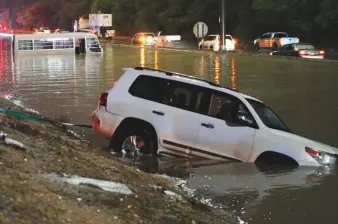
{"points": [[268, 116]]}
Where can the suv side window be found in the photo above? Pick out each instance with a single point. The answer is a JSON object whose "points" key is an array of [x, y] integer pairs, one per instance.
{"points": [[188, 97], [172, 93], [230, 108], [149, 88]]}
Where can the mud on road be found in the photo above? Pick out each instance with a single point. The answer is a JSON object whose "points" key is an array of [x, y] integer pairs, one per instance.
{"points": [[28, 195]]}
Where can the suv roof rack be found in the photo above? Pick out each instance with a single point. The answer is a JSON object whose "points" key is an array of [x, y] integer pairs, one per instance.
{"points": [[184, 76]]}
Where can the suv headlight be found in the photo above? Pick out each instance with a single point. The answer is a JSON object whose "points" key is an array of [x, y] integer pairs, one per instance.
{"points": [[149, 39], [322, 158]]}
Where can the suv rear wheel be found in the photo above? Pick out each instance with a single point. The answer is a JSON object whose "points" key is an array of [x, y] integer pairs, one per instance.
{"points": [[138, 141]]}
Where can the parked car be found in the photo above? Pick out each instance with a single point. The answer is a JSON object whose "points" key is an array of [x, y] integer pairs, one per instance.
{"points": [[163, 38], [144, 39], [213, 42], [160, 112], [274, 40], [302, 50]]}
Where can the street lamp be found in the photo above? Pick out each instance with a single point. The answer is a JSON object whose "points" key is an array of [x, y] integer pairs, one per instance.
{"points": [[10, 10], [223, 3]]}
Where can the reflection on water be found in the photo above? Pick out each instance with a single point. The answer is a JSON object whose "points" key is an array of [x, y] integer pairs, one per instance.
{"points": [[233, 74], [142, 57], [202, 67], [217, 70], [58, 84], [235, 187], [156, 60]]}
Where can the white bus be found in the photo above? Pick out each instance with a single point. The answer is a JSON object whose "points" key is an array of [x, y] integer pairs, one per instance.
{"points": [[78, 43]]}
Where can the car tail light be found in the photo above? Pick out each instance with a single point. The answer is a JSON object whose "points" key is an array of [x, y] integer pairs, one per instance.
{"points": [[103, 99], [301, 53], [322, 158], [321, 52]]}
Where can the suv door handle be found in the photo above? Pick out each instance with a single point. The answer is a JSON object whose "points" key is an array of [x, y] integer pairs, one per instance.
{"points": [[211, 126], [158, 113]]}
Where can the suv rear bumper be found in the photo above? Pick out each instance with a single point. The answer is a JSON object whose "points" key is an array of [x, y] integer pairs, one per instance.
{"points": [[105, 123]]}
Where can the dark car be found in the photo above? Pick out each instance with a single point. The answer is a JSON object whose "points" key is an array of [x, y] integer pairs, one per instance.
{"points": [[302, 50], [144, 38]]}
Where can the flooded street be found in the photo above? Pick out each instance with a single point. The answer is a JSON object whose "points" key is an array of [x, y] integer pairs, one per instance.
{"points": [[302, 92]]}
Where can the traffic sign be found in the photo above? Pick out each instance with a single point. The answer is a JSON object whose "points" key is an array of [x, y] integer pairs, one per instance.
{"points": [[200, 29]]}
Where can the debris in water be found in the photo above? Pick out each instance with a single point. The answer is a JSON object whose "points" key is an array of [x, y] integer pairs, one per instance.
{"points": [[102, 184], [12, 142], [240, 221]]}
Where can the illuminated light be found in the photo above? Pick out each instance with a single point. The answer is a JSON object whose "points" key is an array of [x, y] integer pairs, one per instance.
{"points": [[302, 53], [234, 41], [142, 39], [149, 39], [321, 52]]}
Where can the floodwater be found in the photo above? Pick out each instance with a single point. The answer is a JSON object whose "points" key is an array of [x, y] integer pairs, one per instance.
{"points": [[302, 92]]}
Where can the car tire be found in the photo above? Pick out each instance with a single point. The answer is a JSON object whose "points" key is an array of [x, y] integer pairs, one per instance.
{"points": [[257, 47], [274, 46], [122, 140]]}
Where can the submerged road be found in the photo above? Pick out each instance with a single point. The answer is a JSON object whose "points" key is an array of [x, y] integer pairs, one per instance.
{"points": [[302, 92]]}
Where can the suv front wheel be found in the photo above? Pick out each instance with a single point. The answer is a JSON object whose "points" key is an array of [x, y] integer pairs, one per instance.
{"points": [[138, 141]]}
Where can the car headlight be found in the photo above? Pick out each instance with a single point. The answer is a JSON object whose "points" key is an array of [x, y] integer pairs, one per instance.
{"points": [[322, 158], [149, 39]]}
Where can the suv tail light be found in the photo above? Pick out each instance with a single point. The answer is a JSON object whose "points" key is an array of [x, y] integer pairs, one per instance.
{"points": [[103, 99]]}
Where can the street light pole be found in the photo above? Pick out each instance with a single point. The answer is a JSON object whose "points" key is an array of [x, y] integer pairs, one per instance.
{"points": [[10, 10], [223, 2]]}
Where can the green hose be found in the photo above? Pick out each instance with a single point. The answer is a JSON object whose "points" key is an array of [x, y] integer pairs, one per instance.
{"points": [[37, 118]]}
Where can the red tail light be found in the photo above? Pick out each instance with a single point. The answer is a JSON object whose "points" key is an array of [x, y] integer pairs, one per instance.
{"points": [[303, 53], [103, 99], [321, 52]]}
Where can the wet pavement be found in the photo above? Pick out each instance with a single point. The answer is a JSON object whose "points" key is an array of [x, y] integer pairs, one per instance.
{"points": [[302, 92]]}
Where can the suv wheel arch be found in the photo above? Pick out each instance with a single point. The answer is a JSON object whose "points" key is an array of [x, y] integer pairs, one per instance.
{"points": [[275, 158], [130, 124]]}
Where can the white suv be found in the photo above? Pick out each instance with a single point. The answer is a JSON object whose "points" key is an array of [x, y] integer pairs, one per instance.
{"points": [[153, 111], [213, 42]]}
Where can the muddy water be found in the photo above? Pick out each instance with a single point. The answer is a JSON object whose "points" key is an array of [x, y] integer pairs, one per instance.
{"points": [[302, 92]]}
